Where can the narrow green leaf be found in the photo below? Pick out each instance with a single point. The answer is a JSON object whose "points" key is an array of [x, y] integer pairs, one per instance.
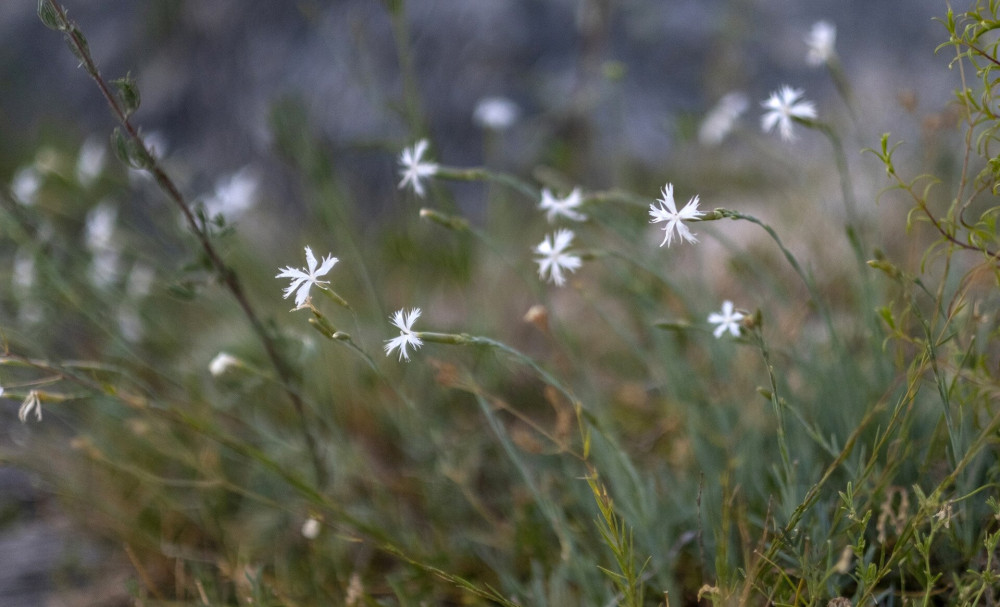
{"points": [[47, 13], [78, 44], [886, 314], [128, 93], [120, 145]]}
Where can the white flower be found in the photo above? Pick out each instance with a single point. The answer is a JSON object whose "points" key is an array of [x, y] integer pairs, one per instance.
{"points": [[667, 211], [496, 113], [222, 362], [130, 323], [156, 144], [821, 40], [566, 207], [355, 591], [234, 194], [413, 169], [403, 321], [100, 227], [24, 275], [303, 281], [783, 106], [105, 263], [140, 281], [554, 258], [32, 402], [310, 528], [728, 320], [721, 119], [105, 267], [845, 561], [25, 185], [22, 284], [90, 162]]}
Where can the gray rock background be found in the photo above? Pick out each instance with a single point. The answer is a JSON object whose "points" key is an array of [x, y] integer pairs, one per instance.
{"points": [[211, 72]]}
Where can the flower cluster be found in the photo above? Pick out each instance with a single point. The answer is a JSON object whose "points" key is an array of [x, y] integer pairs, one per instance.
{"points": [[554, 256]]}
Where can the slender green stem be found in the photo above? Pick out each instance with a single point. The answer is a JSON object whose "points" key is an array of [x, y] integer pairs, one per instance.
{"points": [[463, 339], [846, 189], [617, 196], [806, 278], [411, 93], [776, 402], [483, 174]]}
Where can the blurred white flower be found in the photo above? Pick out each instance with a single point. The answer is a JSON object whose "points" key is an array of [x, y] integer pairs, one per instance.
{"points": [[846, 561], [140, 281], [138, 285], [25, 185], [303, 281], [31, 403], [222, 362], [783, 106], [48, 160], [156, 143], [130, 323], [403, 321], [105, 263], [310, 528], [234, 194], [566, 207], [29, 310], [100, 226], [821, 40], [90, 162], [496, 113], [23, 278], [355, 591], [105, 267], [728, 320], [667, 211], [413, 168], [721, 119], [554, 258]]}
